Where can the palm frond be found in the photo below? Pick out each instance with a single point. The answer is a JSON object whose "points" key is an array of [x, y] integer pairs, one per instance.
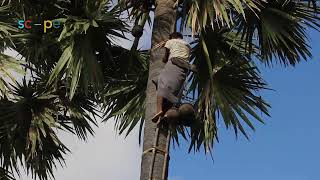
{"points": [[198, 14], [28, 128], [225, 91], [279, 30], [30, 117], [124, 95], [82, 40], [79, 114], [8, 66], [6, 28], [39, 50], [5, 175]]}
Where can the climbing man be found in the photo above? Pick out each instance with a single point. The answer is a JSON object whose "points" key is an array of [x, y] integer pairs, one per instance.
{"points": [[171, 79]]}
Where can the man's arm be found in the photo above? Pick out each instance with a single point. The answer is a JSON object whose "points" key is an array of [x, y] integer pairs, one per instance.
{"points": [[160, 45], [167, 46], [166, 56]]}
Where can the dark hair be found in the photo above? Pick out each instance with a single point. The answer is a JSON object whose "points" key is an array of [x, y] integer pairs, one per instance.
{"points": [[175, 35]]}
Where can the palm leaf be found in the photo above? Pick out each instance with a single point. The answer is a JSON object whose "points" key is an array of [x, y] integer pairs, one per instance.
{"points": [[228, 93], [8, 66], [279, 30], [5, 175], [28, 127], [30, 117], [124, 95], [198, 14], [82, 40], [6, 27]]}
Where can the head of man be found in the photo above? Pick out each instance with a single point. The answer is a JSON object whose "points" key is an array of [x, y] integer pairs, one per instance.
{"points": [[176, 35]]}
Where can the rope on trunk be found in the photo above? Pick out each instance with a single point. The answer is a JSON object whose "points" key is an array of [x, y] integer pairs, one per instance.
{"points": [[155, 149], [166, 158]]}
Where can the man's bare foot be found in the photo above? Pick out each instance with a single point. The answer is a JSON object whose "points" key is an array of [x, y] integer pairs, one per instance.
{"points": [[157, 116]]}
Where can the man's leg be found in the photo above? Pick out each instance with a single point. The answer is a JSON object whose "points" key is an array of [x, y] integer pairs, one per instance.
{"points": [[159, 103], [159, 109]]}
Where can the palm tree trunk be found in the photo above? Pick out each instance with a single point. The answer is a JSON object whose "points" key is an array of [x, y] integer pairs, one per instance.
{"points": [[164, 24]]}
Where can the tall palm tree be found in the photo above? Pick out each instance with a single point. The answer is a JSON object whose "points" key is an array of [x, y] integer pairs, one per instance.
{"points": [[72, 74]]}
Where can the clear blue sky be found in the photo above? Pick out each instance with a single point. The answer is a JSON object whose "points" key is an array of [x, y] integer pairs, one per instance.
{"points": [[287, 147]]}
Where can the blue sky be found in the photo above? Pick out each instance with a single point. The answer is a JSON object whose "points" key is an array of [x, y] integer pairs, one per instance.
{"points": [[285, 148]]}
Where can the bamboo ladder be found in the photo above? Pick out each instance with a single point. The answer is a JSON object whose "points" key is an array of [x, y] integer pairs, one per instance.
{"points": [[155, 149]]}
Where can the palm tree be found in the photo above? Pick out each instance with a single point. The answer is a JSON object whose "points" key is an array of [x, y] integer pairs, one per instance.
{"points": [[72, 74]]}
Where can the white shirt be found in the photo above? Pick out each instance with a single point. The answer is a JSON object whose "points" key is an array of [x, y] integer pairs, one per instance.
{"points": [[178, 48]]}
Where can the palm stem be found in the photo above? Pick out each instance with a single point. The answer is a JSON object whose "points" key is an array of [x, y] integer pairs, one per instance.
{"points": [[142, 22]]}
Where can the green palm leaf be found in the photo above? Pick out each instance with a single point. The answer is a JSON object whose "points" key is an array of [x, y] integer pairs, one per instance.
{"points": [[28, 131], [279, 30], [30, 117], [6, 28], [198, 14], [8, 66], [124, 94], [80, 46], [225, 91]]}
